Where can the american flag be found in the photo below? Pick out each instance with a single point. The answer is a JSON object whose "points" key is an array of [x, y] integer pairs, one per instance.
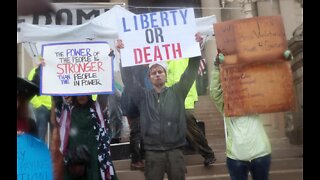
{"points": [[202, 67]]}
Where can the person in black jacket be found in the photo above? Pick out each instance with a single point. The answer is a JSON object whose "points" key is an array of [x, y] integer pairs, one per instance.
{"points": [[162, 118]]}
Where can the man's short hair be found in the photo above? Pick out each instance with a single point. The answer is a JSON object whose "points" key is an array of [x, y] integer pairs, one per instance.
{"points": [[152, 66]]}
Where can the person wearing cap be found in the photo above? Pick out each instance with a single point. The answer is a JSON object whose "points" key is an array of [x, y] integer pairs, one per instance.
{"points": [[162, 118], [195, 136]]}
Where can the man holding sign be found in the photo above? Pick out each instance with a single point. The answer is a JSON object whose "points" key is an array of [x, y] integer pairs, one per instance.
{"points": [[162, 118]]}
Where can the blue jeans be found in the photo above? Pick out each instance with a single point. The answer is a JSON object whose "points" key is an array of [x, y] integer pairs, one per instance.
{"points": [[258, 168], [42, 118]]}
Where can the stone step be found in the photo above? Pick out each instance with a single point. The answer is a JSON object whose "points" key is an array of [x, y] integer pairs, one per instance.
{"points": [[287, 159], [214, 125], [208, 117], [196, 159], [292, 174], [217, 168], [221, 168], [221, 141]]}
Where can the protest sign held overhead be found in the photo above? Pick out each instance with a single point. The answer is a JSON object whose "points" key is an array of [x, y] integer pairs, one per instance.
{"points": [[255, 76], [77, 68], [252, 39], [257, 88], [158, 36]]}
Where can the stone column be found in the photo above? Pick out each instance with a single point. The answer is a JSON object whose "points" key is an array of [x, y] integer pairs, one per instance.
{"points": [[294, 120], [211, 8], [288, 12], [248, 8], [268, 8]]}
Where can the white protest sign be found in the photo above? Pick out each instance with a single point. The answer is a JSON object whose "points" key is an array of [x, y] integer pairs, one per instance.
{"points": [[158, 36], [73, 68]]}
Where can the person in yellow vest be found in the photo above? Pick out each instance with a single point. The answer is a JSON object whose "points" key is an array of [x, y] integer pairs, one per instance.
{"points": [[195, 136], [42, 109]]}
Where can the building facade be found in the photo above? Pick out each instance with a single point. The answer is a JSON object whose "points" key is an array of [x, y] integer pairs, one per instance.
{"points": [[290, 10]]}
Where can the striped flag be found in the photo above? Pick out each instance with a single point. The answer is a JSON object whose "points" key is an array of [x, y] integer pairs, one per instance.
{"points": [[202, 67]]}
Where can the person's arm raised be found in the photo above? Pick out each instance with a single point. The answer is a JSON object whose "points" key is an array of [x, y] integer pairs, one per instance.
{"points": [[216, 92], [130, 82], [190, 74]]}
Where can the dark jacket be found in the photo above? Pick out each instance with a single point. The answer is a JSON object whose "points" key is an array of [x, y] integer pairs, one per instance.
{"points": [[162, 116]]}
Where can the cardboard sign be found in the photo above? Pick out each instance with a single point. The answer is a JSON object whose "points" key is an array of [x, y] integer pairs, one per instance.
{"points": [[253, 39], [257, 88], [225, 38], [77, 68], [254, 75], [261, 39], [33, 159], [158, 36]]}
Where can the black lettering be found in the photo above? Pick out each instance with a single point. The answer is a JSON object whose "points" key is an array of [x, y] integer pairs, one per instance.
{"points": [[149, 36], [158, 34], [59, 16], [81, 14], [35, 19]]}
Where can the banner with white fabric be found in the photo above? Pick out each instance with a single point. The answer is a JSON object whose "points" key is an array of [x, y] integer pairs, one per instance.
{"points": [[101, 28], [98, 28]]}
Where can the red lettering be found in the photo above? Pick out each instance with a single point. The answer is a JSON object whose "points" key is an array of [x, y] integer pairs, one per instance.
{"points": [[60, 69], [157, 53], [142, 55], [88, 67], [178, 50], [100, 66], [93, 66], [82, 67], [166, 46], [137, 60], [70, 67], [146, 54], [79, 68]]}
